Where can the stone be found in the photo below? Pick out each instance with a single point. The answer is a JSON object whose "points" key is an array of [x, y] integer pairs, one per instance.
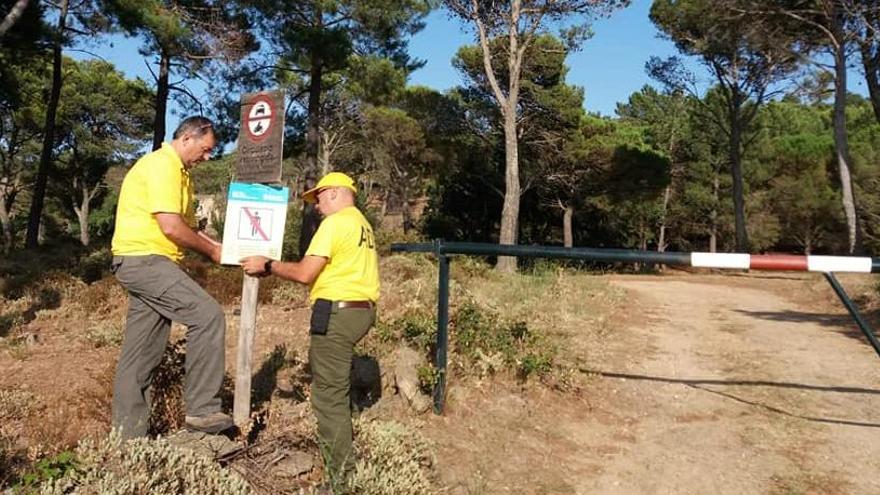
{"points": [[210, 446], [294, 464], [406, 377]]}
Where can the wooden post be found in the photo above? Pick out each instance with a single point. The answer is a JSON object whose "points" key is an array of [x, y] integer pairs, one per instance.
{"points": [[241, 410]]}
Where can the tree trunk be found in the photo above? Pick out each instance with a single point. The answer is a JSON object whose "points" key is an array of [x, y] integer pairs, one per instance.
{"points": [[808, 241], [841, 143], [82, 214], [567, 238], [324, 153], [512, 192], [33, 228], [735, 156], [713, 216], [6, 222], [162, 91], [871, 62], [13, 15], [310, 217], [406, 214], [508, 106], [661, 239]]}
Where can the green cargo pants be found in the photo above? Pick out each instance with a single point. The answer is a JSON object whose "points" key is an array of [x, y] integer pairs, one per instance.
{"points": [[330, 356]]}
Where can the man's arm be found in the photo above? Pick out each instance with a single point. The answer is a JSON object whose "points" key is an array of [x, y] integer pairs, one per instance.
{"points": [[304, 271], [183, 235]]}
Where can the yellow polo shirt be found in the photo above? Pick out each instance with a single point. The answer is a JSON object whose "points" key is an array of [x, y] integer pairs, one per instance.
{"points": [[346, 239], [157, 183]]}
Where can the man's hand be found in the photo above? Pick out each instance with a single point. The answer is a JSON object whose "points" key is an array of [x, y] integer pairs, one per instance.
{"points": [[216, 247], [304, 271], [180, 233], [217, 253], [254, 265]]}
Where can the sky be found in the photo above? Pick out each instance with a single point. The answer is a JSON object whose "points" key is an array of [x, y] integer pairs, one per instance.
{"points": [[610, 66]]}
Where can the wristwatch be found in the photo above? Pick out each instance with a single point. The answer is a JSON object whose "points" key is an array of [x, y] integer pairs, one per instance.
{"points": [[267, 268]]}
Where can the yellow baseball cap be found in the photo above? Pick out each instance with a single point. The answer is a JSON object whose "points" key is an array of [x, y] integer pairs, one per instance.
{"points": [[333, 179]]}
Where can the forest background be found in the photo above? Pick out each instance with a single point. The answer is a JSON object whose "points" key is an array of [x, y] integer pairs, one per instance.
{"points": [[747, 138]]}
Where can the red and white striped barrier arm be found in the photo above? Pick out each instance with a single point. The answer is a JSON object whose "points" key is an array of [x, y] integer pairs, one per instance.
{"points": [[785, 262]]}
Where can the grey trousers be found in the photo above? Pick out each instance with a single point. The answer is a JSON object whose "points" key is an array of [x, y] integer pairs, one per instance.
{"points": [[159, 293]]}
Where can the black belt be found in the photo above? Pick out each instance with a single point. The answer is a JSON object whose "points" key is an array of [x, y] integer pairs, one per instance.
{"points": [[354, 304]]}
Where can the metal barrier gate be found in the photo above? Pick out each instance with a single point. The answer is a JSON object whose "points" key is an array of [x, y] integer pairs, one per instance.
{"points": [[827, 265]]}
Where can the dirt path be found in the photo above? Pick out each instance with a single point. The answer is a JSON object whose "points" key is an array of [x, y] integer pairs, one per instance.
{"points": [[712, 388], [705, 384]]}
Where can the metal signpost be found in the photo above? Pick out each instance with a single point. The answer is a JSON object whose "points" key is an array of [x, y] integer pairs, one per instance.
{"points": [[255, 216]]}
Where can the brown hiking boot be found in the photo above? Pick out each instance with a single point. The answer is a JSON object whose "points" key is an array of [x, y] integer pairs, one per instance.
{"points": [[210, 423]]}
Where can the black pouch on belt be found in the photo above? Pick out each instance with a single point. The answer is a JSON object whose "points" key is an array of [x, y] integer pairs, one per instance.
{"points": [[321, 311]]}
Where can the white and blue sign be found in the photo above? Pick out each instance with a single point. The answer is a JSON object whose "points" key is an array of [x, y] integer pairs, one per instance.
{"points": [[255, 216]]}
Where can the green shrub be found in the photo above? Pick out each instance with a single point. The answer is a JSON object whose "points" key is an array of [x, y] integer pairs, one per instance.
{"points": [[428, 376], [105, 333], [490, 344], [419, 329], [112, 466], [94, 266], [48, 469], [487, 343], [293, 225], [10, 322], [392, 459]]}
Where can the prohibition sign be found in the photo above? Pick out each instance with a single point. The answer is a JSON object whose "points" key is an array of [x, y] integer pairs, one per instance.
{"points": [[259, 118], [255, 224]]}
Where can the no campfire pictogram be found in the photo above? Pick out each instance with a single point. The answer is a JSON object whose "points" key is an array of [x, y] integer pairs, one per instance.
{"points": [[259, 119]]}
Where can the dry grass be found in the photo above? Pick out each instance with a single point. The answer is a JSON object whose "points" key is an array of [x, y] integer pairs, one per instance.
{"points": [[102, 298], [105, 333], [16, 406], [547, 308], [409, 282]]}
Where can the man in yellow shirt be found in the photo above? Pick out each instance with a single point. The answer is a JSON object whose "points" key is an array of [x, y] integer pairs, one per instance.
{"points": [[154, 223], [341, 266]]}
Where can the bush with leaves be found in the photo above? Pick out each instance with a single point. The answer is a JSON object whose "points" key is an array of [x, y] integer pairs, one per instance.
{"points": [[491, 344], [392, 460], [113, 466]]}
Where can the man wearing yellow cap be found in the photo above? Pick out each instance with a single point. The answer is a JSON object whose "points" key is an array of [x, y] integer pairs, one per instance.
{"points": [[341, 268]]}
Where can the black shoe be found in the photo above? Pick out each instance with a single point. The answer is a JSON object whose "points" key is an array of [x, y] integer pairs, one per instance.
{"points": [[210, 423]]}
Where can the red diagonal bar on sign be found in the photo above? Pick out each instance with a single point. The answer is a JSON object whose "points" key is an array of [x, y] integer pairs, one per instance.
{"points": [[255, 224]]}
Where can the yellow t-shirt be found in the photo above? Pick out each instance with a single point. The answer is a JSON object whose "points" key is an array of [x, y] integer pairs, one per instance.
{"points": [[345, 238], [157, 183]]}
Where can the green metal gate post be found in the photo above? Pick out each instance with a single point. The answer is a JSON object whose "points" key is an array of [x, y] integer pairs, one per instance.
{"points": [[853, 311], [442, 326], [444, 249]]}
